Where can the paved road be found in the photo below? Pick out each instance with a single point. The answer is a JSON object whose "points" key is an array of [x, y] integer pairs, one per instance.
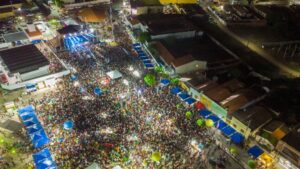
{"points": [[256, 48]]}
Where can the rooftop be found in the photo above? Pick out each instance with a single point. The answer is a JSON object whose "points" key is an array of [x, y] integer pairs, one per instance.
{"points": [[16, 36], [23, 59], [9, 2], [166, 23], [141, 3], [293, 139], [254, 117]]}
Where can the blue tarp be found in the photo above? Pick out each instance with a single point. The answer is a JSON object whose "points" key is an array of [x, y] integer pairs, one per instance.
{"points": [[204, 113], [68, 125], [221, 124], [228, 131], [73, 77], [149, 66], [237, 138], [175, 90], [147, 61], [97, 91], [184, 96], [43, 160], [190, 101], [33, 126], [165, 82], [214, 118], [255, 151]]}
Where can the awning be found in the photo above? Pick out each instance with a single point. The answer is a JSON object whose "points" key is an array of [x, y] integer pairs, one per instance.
{"points": [[221, 124], [164, 82], [147, 61], [190, 101], [255, 151], [237, 138], [149, 66], [204, 113], [184, 96], [43, 159], [228, 131], [144, 58], [199, 106], [175, 90], [214, 118], [136, 45]]}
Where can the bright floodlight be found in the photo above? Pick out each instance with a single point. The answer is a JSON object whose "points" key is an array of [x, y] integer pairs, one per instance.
{"points": [[92, 30], [126, 82], [19, 9], [136, 73], [76, 84]]}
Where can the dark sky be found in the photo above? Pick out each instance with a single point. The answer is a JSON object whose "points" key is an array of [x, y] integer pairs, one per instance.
{"points": [[8, 2]]}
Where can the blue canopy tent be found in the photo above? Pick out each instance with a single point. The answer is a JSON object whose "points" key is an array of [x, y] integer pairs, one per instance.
{"points": [[190, 101], [255, 151], [31, 121], [228, 131], [39, 139], [34, 128], [68, 125], [176, 90], [204, 113], [164, 82], [214, 118], [43, 160], [149, 66], [136, 45], [221, 124], [30, 87], [73, 77], [26, 109], [97, 91], [144, 57], [147, 61], [27, 115], [141, 53], [237, 138], [184, 96]]}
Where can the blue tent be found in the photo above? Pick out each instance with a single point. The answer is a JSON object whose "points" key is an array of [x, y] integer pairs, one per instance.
{"points": [[31, 121], [147, 61], [149, 66], [165, 82], [68, 125], [136, 45], [144, 58], [228, 131], [255, 151], [73, 77], [214, 118], [30, 87], [26, 109], [34, 128], [43, 160], [237, 138], [184, 96], [141, 52], [39, 139], [175, 90], [27, 115], [190, 101], [221, 124], [204, 113], [97, 91]]}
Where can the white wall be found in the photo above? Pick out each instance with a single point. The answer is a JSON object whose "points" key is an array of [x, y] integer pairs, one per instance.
{"points": [[191, 66], [36, 73]]}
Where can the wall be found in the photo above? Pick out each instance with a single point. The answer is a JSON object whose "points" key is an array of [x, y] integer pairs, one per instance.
{"points": [[36, 73], [187, 34], [191, 66], [288, 152], [240, 126], [213, 107]]}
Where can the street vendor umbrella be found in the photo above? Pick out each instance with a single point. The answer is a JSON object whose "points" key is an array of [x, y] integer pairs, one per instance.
{"points": [[200, 122], [188, 114], [209, 122], [68, 125], [97, 91], [199, 106], [156, 156]]}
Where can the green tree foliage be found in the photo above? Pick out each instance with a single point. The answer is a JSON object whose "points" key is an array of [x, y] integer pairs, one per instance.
{"points": [[144, 36], [150, 79]]}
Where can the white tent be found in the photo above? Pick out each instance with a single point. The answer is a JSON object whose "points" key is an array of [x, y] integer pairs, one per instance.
{"points": [[114, 74], [93, 166]]}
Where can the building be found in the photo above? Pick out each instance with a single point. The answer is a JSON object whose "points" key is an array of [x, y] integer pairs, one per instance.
{"points": [[289, 149], [72, 4], [162, 26], [140, 7], [8, 8], [249, 121]]}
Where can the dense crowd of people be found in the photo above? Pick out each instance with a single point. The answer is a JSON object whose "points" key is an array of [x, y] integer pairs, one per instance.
{"points": [[122, 126]]}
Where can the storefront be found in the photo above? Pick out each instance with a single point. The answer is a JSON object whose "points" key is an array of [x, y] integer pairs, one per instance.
{"points": [[213, 107], [286, 163]]}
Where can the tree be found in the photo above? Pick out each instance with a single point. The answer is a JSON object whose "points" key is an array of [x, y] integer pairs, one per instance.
{"points": [[144, 36], [150, 79]]}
